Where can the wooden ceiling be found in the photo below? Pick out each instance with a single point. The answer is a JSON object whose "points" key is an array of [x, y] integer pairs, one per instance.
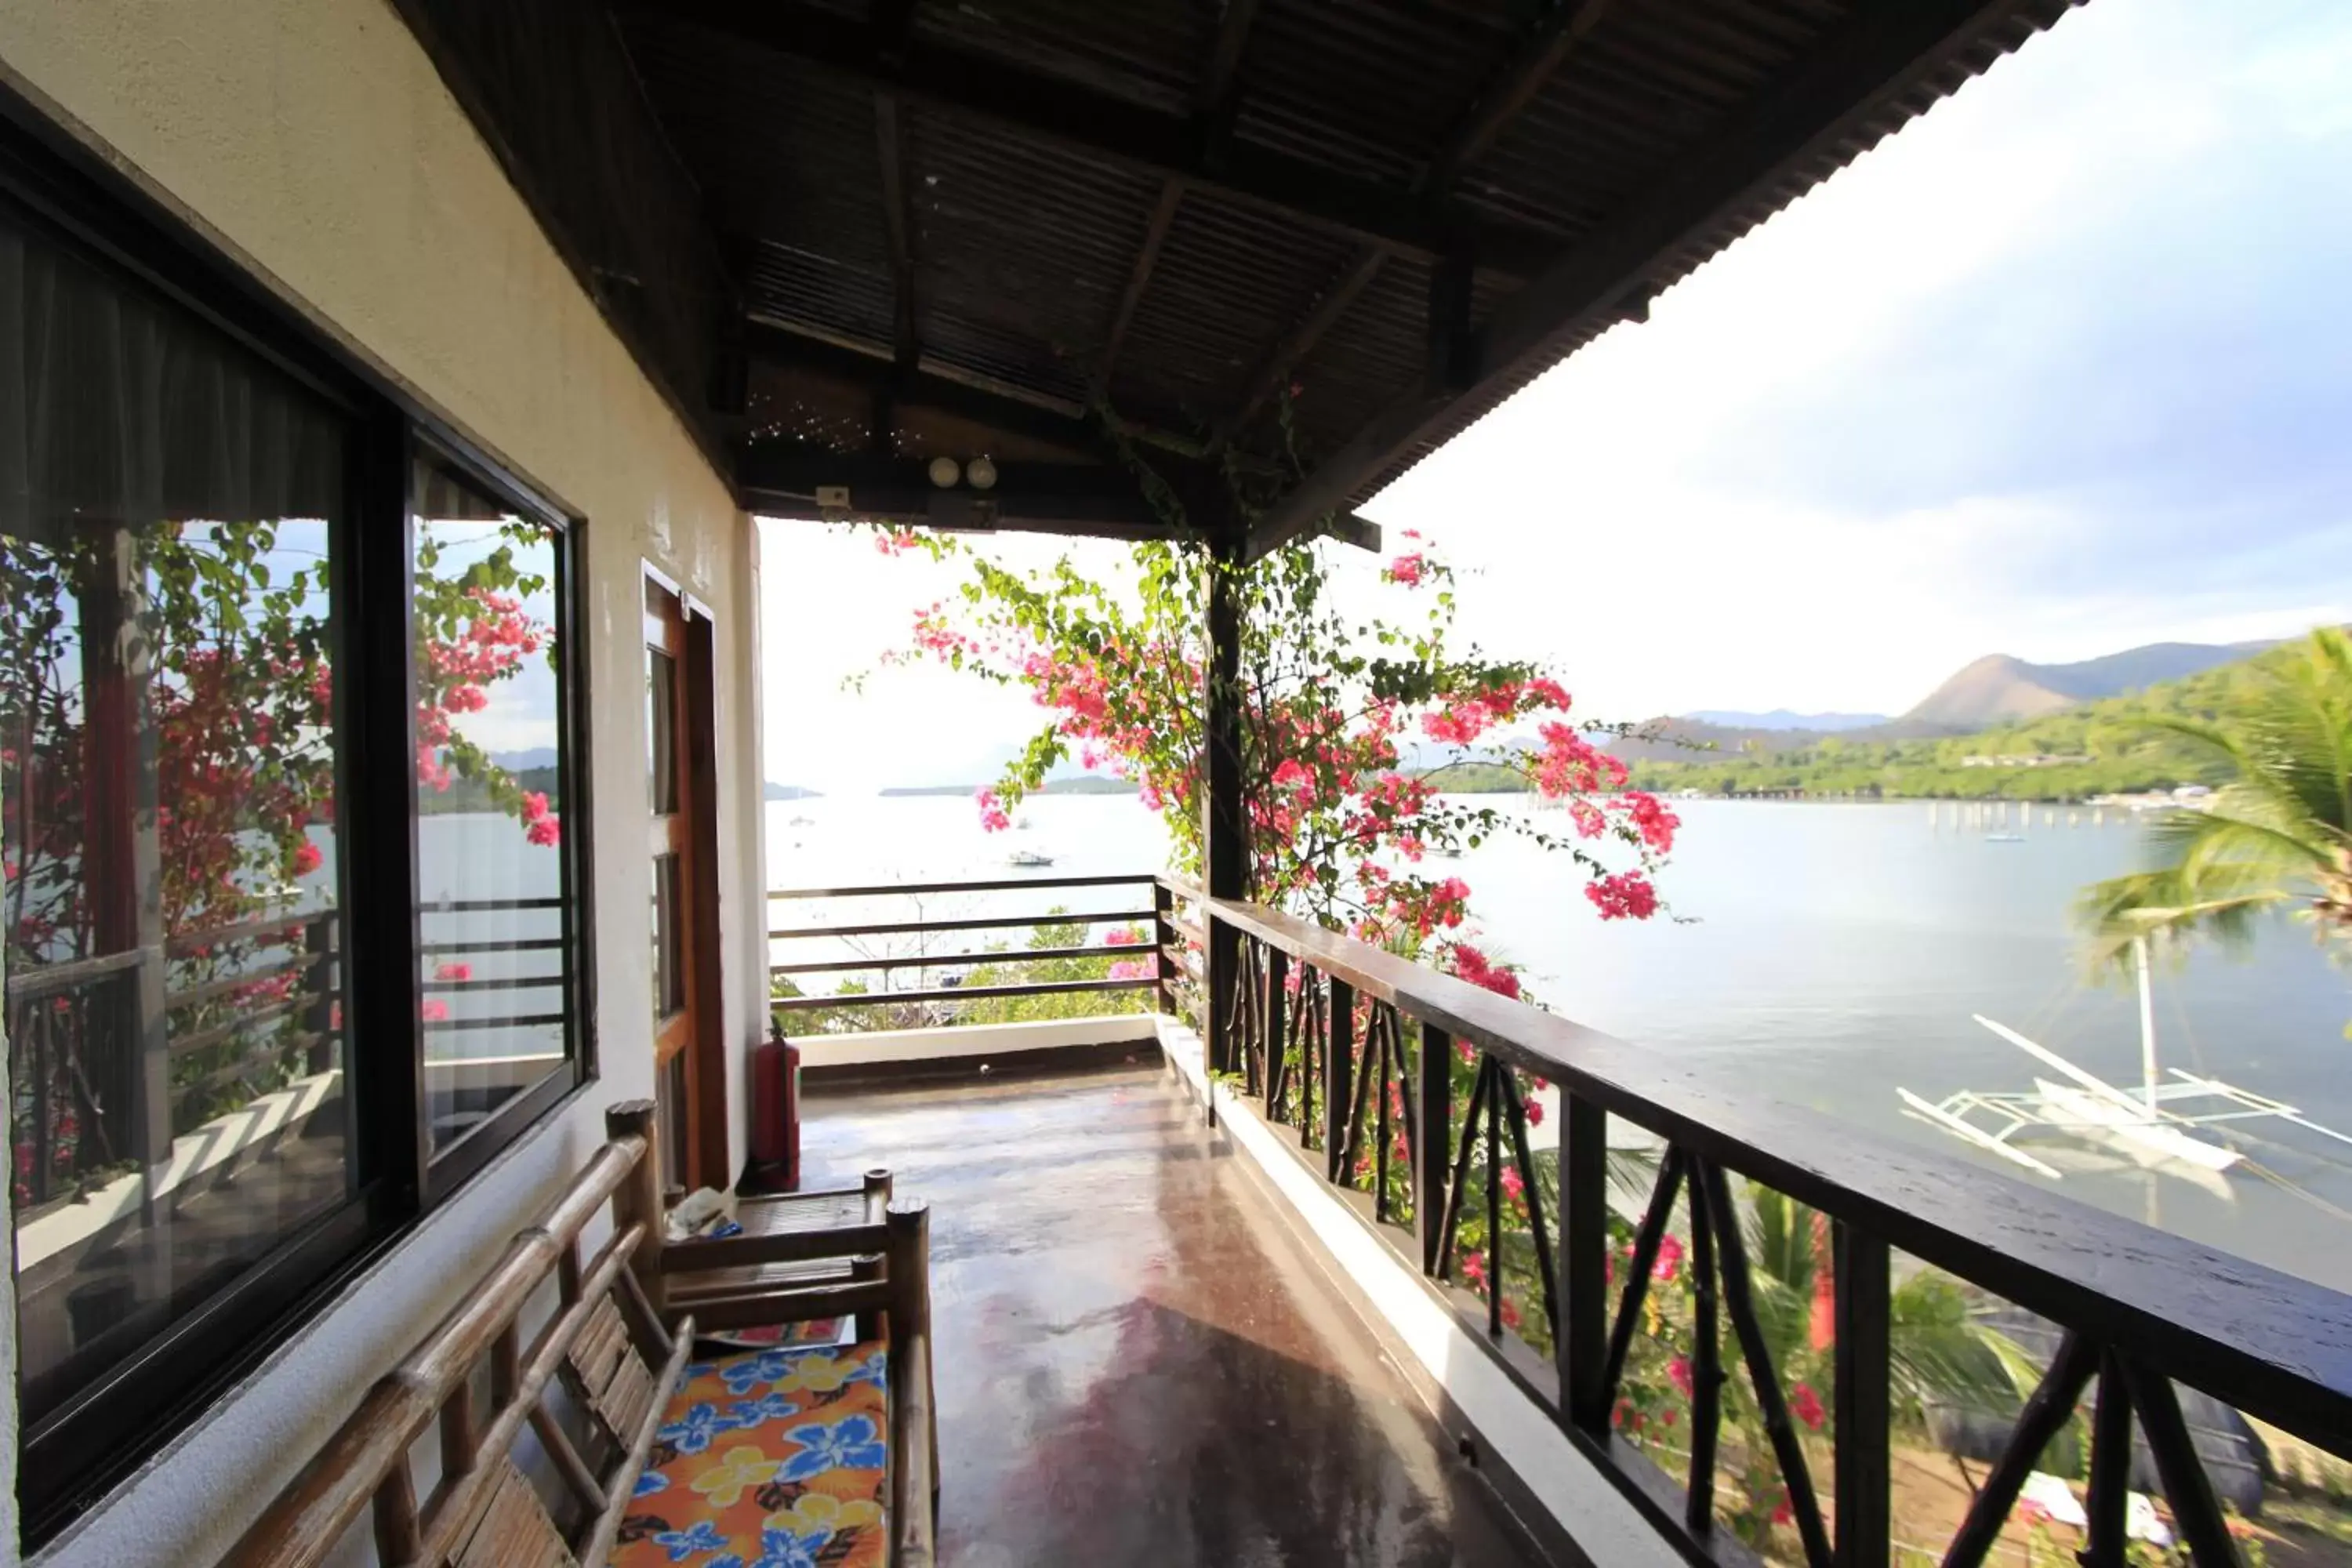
{"points": [[1300, 241]]}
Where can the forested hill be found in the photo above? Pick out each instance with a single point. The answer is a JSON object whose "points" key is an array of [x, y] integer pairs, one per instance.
{"points": [[2094, 747]]}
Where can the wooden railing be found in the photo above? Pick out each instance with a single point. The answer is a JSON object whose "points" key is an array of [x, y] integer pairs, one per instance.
{"points": [[113, 1057], [938, 951], [1354, 1051]]}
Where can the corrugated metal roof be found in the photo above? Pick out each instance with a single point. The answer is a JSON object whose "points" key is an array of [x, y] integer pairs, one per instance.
{"points": [[1024, 238]]}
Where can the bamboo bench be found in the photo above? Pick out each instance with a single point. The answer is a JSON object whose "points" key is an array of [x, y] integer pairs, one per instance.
{"points": [[619, 1397]]}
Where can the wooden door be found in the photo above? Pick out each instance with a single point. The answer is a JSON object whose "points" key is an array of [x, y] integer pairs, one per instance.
{"points": [[690, 1076]]}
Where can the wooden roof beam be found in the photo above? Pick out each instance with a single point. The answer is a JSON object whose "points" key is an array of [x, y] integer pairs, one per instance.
{"points": [[1221, 97], [1012, 410], [1139, 279], [899, 225], [1550, 43], [1108, 129], [1219, 101], [1547, 47], [1286, 355], [1875, 55]]}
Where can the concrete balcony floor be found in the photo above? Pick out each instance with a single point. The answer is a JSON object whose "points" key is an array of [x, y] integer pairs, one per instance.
{"points": [[1137, 1363]]}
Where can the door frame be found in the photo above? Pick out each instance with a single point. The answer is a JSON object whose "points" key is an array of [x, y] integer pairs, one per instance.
{"points": [[698, 1032]]}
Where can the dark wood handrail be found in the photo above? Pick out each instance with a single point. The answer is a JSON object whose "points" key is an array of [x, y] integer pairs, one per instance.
{"points": [[1005, 922], [2268, 1343], [954, 994], [950, 960]]}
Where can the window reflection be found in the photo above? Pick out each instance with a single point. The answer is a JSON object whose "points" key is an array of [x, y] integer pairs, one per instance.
{"points": [[177, 1099], [488, 740]]}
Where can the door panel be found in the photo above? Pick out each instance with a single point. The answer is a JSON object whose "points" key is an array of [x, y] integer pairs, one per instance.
{"points": [[681, 844]]}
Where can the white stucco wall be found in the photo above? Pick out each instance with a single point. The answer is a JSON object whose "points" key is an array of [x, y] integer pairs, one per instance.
{"points": [[313, 138]]}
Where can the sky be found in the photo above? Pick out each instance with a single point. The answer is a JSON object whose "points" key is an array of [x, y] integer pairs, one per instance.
{"points": [[2064, 367]]}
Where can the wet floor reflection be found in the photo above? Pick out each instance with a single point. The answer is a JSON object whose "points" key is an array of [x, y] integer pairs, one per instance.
{"points": [[1136, 1362]]}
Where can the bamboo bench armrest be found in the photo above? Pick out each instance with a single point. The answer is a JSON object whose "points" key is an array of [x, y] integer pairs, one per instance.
{"points": [[756, 1249]]}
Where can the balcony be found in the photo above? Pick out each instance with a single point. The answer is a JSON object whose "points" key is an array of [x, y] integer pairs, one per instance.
{"points": [[1213, 1314], [1313, 1255]]}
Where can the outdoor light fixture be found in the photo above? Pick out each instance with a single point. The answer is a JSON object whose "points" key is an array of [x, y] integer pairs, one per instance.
{"points": [[945, 472], [981, 473]]}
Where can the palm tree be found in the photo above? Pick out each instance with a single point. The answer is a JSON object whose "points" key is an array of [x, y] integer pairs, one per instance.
{"points": [[2277, 835]]}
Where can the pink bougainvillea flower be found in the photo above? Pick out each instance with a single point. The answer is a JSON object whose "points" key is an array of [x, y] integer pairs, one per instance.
{"points": [[1627, 895], [1670, 1258], [1806, 1405], [1406, 570], [1678, 1373], [547, 832], [307, 859]]}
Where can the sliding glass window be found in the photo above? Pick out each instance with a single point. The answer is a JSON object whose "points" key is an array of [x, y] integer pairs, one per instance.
{"points": [[179, 1103], [493, 874], [290, 823]]}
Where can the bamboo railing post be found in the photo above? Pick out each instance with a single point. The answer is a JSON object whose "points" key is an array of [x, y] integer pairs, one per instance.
{"points": [[638, 1199]]}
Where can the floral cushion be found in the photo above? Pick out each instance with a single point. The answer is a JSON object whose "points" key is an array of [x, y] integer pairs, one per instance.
{"points": [[769, 1458]]}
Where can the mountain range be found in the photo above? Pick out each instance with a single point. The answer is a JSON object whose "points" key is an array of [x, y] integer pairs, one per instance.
{"points": [[1998, 689]]}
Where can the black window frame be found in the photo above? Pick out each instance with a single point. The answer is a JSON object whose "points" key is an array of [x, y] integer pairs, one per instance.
{"points": [[76, 1456]]}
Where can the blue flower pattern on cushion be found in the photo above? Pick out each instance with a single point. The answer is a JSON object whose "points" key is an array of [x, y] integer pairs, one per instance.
{"points": [[650, 1482], [749, 1412], [744, 1373], [693, 1432], [685, 1544], [783, 1549], [852, 1443]]}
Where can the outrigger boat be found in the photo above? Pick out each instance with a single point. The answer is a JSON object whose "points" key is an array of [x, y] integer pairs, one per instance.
{"points": [[2157, 1127]]}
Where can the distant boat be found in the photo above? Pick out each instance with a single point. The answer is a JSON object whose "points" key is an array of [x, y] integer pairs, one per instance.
{"points": [[2004, 837], [2145, 1127], [1022, 825], [1027, 858], [800, 822]]}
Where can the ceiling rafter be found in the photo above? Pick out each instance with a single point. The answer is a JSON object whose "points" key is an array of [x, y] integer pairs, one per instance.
{"points": [[1013, 410], [1538, 60], [1110, 129], [1875, 56], [1221, 96], [899, 225], [1218, 101], [1533, 64], [1139, 279], [1300, 341]]}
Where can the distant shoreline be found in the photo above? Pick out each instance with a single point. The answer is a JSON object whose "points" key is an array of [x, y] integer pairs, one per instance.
{"points": [[1057, 787]]}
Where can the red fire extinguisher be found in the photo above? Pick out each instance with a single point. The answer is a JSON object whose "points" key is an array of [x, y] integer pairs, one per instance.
{"points": [[776, 1112]]}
